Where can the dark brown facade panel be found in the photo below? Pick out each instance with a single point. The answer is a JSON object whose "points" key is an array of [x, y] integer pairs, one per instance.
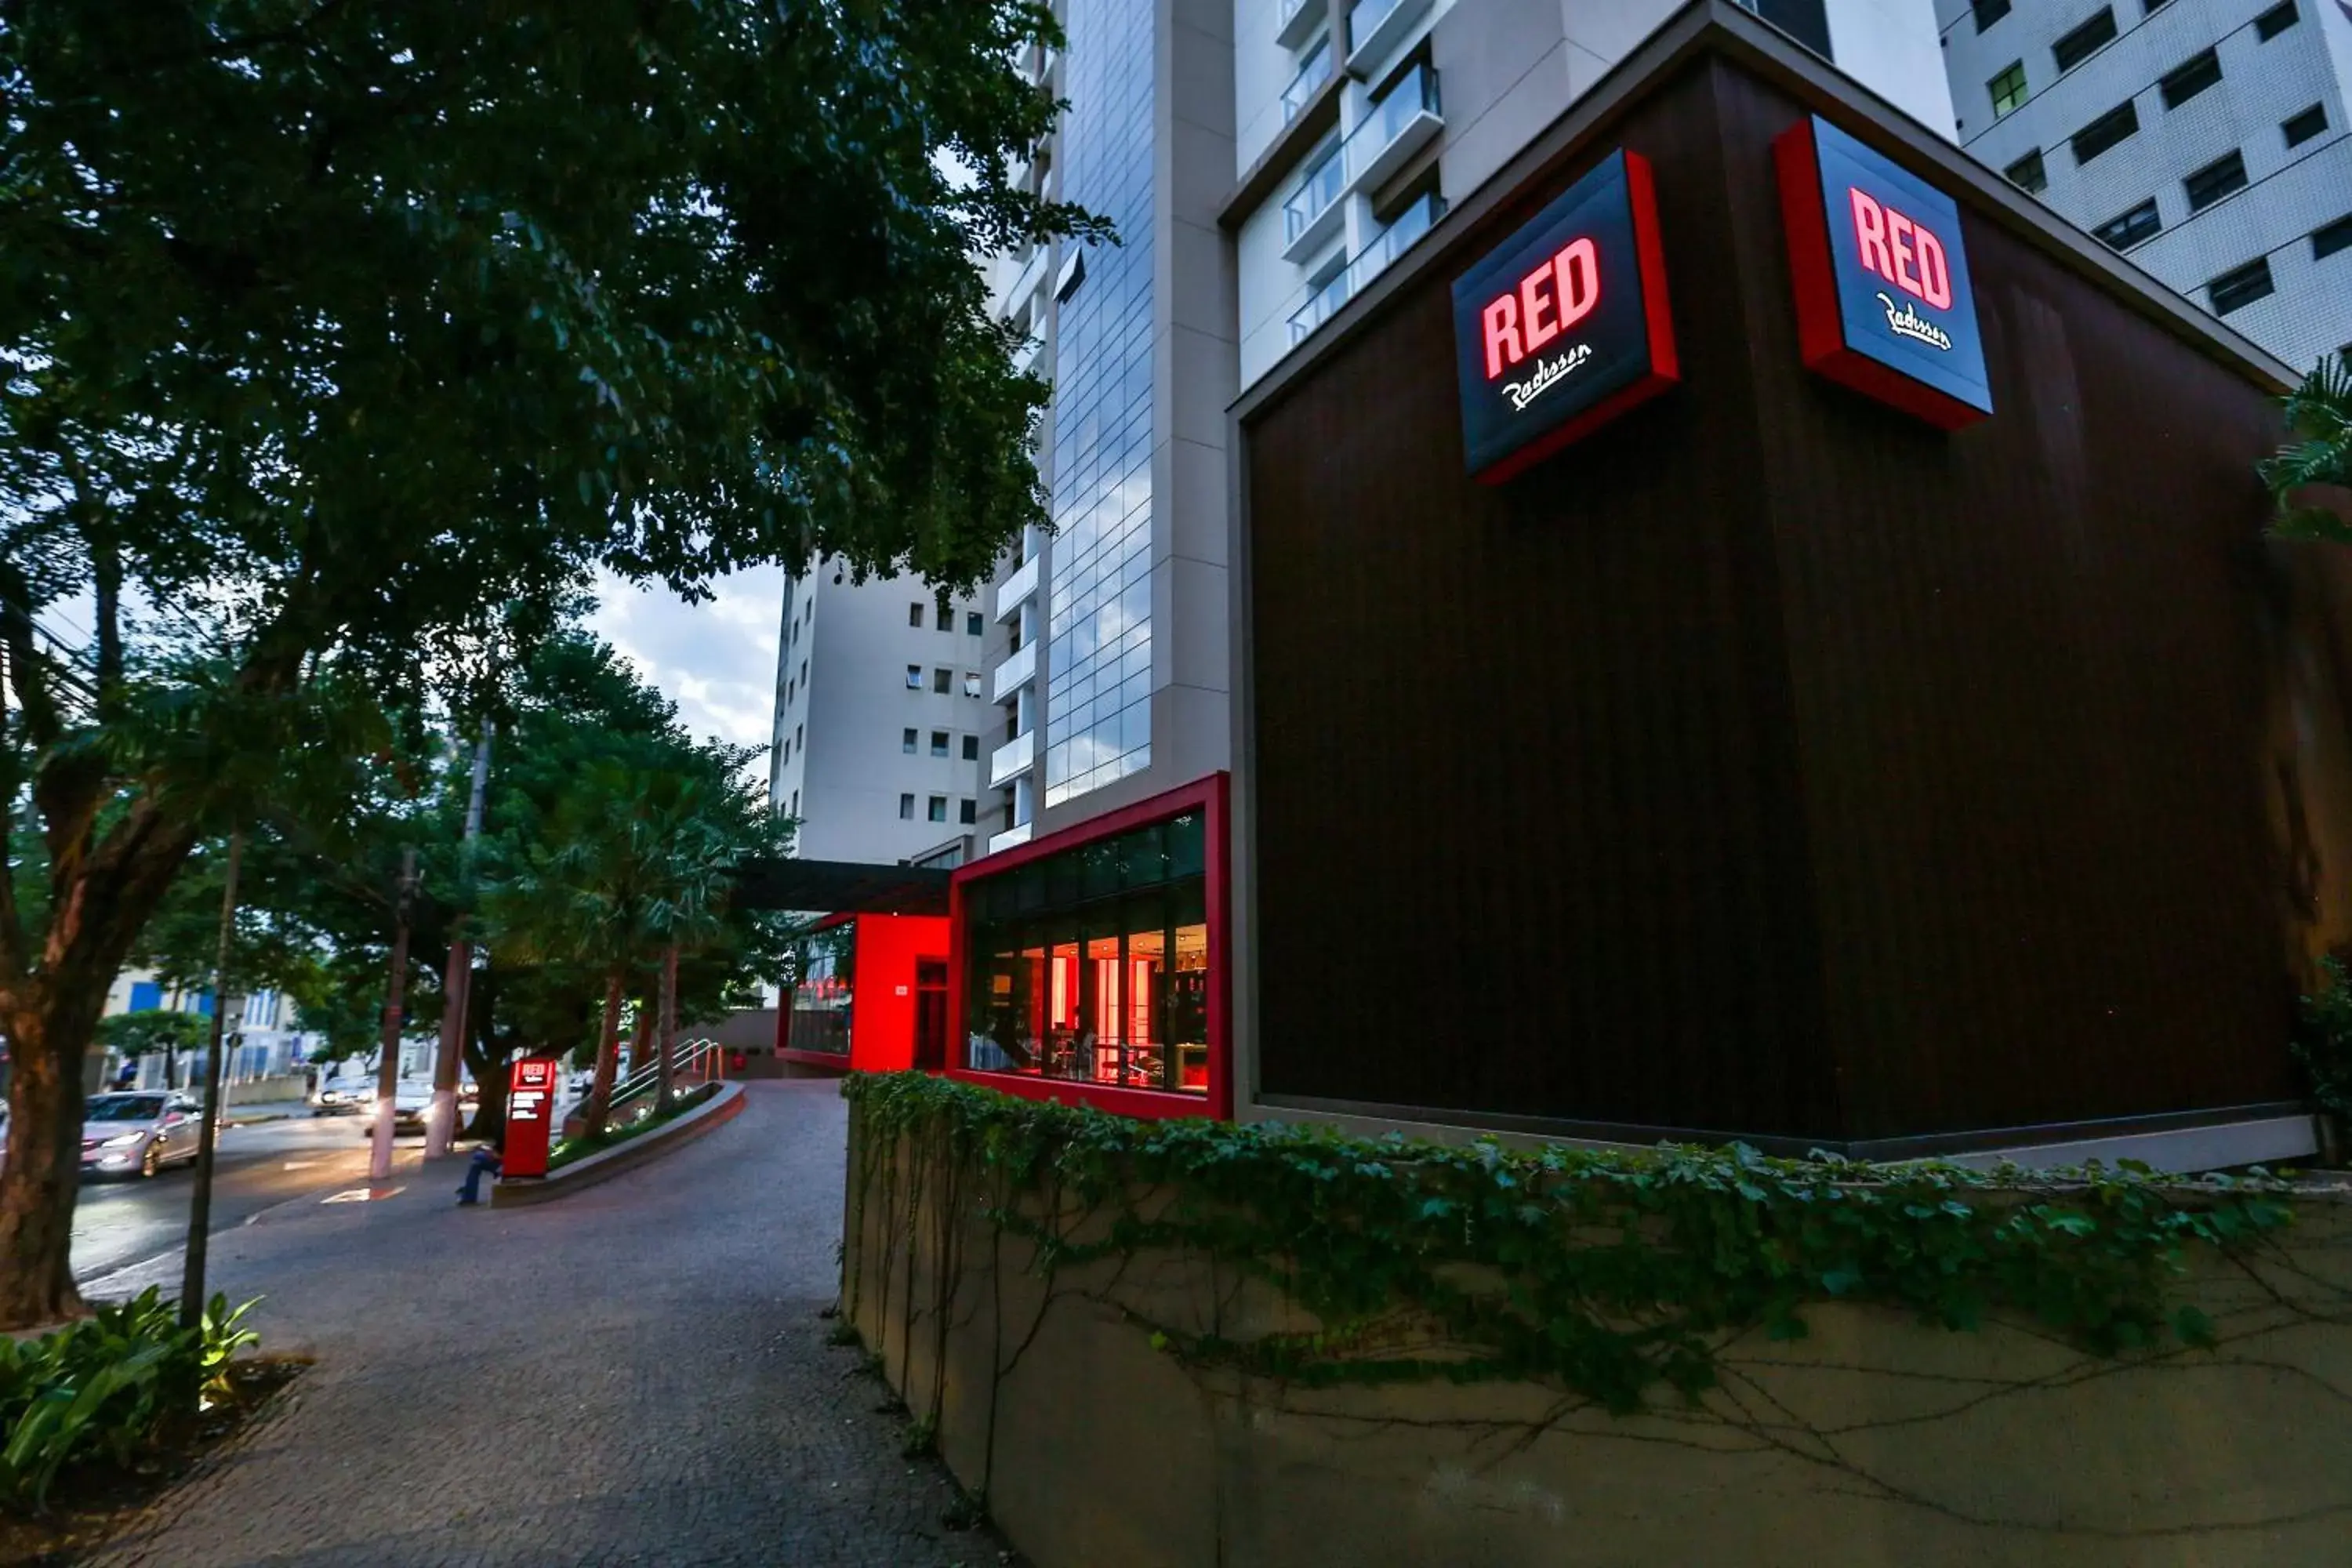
{"points": [[1771, 762]]}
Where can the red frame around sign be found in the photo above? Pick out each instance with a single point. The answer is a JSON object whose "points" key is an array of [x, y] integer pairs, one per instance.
{"points": [[1820, 323], [1657, 321], [1210, 795]]}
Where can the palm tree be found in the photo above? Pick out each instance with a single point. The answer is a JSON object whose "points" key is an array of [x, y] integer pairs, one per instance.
{"points": [[2302, 476]]}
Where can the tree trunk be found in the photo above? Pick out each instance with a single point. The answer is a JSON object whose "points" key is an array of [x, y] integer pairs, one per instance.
{"points": [[608, 1058], [666, 1041], [641, 1039], [484, 1058], [50, 1016]]}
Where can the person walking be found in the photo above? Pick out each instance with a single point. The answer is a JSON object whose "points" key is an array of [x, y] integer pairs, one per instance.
{"points": [[485, 1157]]}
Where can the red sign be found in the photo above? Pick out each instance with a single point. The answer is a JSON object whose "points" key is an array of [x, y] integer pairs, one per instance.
{"points": [[530, 1113]]}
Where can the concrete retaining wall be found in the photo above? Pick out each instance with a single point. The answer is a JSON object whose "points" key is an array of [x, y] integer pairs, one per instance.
{"points": [[1876, 1441], [723, 1106]]}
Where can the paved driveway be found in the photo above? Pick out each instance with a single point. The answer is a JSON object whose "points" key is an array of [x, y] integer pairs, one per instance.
{"points": [[635, 1374]]}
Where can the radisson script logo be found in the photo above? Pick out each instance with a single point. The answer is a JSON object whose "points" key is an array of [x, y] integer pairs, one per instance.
{"points": [[1549, 373], [1905, 321]]}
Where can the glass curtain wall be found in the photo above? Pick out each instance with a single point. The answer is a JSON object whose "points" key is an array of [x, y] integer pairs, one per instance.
{"points": [[821, 1001], [1099, 709], [1093, 965]]}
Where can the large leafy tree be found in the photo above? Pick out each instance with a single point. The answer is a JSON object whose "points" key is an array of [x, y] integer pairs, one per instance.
{"points": [[339, 338]]}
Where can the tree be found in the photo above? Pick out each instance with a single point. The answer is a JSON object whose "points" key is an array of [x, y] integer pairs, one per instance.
{"points": [[2312, 481], [339, 338], [152, 1029]]}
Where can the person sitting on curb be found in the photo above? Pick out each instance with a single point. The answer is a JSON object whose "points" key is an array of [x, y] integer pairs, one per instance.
{"points": [[486, 1158]]}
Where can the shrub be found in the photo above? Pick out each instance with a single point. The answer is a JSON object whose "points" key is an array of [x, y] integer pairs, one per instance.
{"points": [[106, 1388], [2325, 1048]]}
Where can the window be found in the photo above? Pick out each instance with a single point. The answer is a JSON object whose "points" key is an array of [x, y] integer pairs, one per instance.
{"points": [[2276, 20], [1093, 965], [2301, 128], [914, 678], [2150, 7], [788, 693], [938, 809], [971, 748], [804, 672], [2329, 238], [2241, 286], [971, 683], [973, 623], [1988, 11], [2214, 180], [2028, 174], [905, 808], [2190, 78], [2008, 89], [971, 812], [796, 803], [822, 1002], [947, 619], [939, 742], [907, 741], [2084, 41], [2116, 125], [798, 743], [940, 680], [915, 616]]}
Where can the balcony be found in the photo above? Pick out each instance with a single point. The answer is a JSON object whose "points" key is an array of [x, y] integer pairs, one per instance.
{"points": [[1377, 27], [1015, 590], [1313, 213], [1025, 358], [1015, 673], [1312, 75], [1012, 758], [1299, 20], [1399, 126], [1400, 236], [1011, 838]]}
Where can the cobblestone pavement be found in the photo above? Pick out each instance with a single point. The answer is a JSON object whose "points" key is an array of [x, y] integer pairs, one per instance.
{"points": [[636, 1374]]}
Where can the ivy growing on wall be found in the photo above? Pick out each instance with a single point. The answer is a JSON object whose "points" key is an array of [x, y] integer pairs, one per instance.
{"points": [[1613, 1275]]}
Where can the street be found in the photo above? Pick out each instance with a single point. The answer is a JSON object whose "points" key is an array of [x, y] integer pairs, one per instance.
{"points": [[120, 1223]]}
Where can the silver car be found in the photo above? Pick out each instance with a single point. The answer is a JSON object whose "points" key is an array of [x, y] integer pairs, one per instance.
{"points": [[138, 1133]]}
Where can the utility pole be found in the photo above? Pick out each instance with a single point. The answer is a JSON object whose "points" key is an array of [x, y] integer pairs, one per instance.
{"points": [[387, 1066], [457, 981], [200, 1202]]}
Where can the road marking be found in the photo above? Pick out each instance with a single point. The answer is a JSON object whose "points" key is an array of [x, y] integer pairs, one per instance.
{"points": [[362, 1194], [302, 1165]]}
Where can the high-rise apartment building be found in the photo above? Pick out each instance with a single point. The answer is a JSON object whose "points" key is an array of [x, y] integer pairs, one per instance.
{"points": [[1264, 160], [2209, 141], [880, 718]]}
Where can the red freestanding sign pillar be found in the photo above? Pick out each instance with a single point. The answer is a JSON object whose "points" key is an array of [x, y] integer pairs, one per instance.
{"points": [[530, 1109]]}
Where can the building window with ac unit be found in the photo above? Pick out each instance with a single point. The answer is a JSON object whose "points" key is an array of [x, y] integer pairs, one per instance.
{"points": [[914, 678]]}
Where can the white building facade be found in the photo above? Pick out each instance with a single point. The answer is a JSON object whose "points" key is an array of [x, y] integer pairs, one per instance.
{"points": [[2209, 141], [881, 725], [1264, 160]]}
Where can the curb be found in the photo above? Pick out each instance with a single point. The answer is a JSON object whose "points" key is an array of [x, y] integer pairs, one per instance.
{"points": [[724, 1106]]}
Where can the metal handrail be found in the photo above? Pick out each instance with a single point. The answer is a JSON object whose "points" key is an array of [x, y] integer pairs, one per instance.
{"points": [[687, 1055]]}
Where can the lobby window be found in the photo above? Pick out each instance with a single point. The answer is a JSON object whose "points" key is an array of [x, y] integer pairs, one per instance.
{"points": [[907, 741], [2112, 128], [971, 812], [2187, 80], [1093, 965], [938, 809], [2008, 89], [2241, 286], [2028, 174], [939, 742], [914, 678], [1988, 12], [942, 681], [905, 808], [2301, 128], [2223, 176], [971, 748], [2329, 238], [973, 623], [2276, 20], [2084, 41], [915, 616]]}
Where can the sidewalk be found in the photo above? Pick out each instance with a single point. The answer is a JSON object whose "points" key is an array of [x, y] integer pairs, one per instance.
{"points": [[635, 1374]]}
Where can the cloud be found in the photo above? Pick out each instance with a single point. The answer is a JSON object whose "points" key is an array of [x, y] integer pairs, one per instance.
{"points": [[716, 660]]}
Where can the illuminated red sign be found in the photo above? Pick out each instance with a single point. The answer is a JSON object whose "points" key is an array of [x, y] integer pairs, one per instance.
{"points": [[1883, 301], [1564, 325], [530, 1114]]}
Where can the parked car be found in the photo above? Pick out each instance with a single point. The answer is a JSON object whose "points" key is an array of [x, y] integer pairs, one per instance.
{"points": [[137, 1134]]}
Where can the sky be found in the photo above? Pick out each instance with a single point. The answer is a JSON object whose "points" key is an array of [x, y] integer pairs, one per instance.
{"points": [[716, 660]]}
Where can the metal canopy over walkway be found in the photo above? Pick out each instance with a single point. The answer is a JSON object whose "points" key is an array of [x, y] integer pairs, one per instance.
{"points": [[841, 887]]}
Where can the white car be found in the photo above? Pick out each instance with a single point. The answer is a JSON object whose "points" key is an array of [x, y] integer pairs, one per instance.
{"points": [[138, 1133], [412, 1108]]}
